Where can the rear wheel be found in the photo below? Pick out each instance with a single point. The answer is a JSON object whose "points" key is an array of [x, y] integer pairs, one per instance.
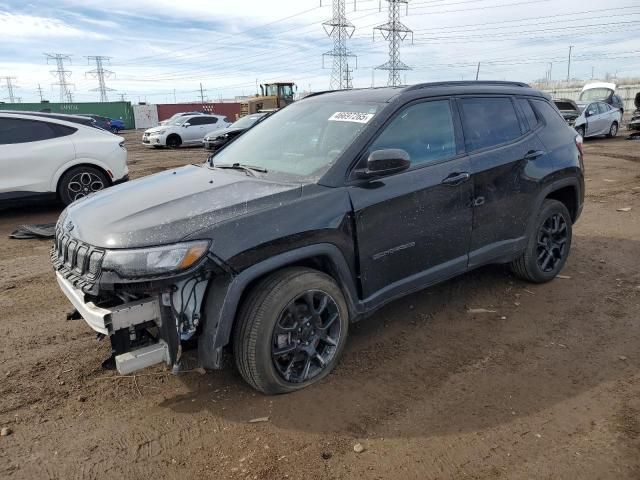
{"points": [[79, 182], [174, 141], [291, 330], [613, 131], [548, 245]]}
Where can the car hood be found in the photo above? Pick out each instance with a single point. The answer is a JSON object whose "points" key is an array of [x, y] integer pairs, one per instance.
{"points": [[224, 131], [567, 105], [156, 129], [167, 207]]}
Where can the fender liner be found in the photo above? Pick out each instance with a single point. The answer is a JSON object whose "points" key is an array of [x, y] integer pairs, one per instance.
{"points": [[224, 294], [552, 187]]}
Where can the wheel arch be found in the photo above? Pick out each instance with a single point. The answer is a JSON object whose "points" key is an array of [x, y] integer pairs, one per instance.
{"points": [[82, 163], [566, 191], [225, 294]]}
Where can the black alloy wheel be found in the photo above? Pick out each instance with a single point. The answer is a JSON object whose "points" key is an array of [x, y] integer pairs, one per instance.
{"points": [[552, 242], [306, 336]]}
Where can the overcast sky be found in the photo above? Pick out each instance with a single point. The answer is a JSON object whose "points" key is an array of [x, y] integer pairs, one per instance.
{"points": [[161, 45]]}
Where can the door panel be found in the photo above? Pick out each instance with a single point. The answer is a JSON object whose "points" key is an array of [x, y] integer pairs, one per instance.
{"points": [[412, 228]]}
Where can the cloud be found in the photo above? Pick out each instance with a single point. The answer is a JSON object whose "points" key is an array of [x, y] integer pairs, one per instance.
{"points": [[20, 26]]}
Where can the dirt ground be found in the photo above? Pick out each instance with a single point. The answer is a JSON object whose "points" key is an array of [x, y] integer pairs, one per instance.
{"points": [[547, 387]]}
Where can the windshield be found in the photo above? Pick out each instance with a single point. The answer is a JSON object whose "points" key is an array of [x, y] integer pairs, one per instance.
{"points": [[246, 122], [301, 141], [594, 94]]}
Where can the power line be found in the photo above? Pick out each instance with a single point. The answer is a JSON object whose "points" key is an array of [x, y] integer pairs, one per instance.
{"points": [[62, 74], [100, 73], [395, 32], [339, 28]]}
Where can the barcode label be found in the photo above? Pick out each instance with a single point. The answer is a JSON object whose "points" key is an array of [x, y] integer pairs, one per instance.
{"points": [[357, 117]]}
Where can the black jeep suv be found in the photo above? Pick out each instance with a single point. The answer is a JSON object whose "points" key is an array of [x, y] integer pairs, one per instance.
{"points": [[316, 217]]}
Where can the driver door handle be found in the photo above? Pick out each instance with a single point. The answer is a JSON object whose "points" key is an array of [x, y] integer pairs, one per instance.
{"points": [[456, 178]]}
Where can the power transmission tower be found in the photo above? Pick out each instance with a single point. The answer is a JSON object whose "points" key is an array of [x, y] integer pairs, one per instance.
{"points": [[40, 93], [395, 32], [100, 73], [201, 93], [62, 74], [348, 78], [10, 87], [340, 29]]}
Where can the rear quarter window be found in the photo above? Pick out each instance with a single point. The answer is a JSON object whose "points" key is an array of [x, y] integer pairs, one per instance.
{"points": [[489, 121], [551, 115], [529, 114]]}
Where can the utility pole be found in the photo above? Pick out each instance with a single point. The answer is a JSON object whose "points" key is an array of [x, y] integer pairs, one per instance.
{"points": [[550, 69], [10, 87], [122, 99], [395, 32], [62, 75], [201, 93], [40, 93], [592, 72], [340, 29], [569, 65], [100, 73], [478, 72]]}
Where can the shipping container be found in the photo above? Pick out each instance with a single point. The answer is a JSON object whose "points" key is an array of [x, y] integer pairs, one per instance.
{"points": [[118, 110]]}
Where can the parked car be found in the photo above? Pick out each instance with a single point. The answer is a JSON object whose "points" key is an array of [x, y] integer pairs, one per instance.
{"points": [[217, 139], [101, 122], [569, 110], [316, 217], [82, 120], [602, 92], [178, 115], [117, 125], [634, 124], [185, 130], [43, 157], [598, 118]]}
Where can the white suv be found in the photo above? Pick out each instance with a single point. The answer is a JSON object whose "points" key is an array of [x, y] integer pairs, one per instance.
{"points": [[186, 130], [46, 157]]}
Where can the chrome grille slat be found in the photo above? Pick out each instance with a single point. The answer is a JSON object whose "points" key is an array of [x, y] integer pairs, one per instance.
{"points": [[79, 262]]}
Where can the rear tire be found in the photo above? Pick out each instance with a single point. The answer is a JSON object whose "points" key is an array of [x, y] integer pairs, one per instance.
{"points": [[548, 245], [291, 330], [81, 181], [613, 131], [174, 141]]}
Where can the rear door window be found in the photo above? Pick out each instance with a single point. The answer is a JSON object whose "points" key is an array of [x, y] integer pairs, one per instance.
{"points": [[17, 130], [489, 121]]}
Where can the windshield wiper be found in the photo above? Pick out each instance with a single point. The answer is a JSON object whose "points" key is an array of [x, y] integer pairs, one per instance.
{"points": [[250, 169]]}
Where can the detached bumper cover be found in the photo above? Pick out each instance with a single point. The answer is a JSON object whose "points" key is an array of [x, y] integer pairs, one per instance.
{"points": [[109, 320]]}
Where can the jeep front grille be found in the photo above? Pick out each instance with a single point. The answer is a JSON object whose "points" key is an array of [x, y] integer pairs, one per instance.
{"points": [[77, 261]]}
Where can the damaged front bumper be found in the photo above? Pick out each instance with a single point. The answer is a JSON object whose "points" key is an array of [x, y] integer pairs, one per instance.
{"points": [[123, 319]]}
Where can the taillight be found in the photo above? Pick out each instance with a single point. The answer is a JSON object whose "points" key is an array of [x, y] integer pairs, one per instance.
{"points": [[580, 144]]}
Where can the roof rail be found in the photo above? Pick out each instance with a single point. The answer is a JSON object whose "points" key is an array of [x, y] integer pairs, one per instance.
{"points": [[466, 82]]}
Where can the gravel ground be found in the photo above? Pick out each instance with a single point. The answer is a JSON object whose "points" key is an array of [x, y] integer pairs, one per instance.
{"points": [[547, 387]]}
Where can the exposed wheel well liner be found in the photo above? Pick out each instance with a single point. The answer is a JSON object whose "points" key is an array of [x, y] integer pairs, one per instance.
{"points": [[569, 197]]}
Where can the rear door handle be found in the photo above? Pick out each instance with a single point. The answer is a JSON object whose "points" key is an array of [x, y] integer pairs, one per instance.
{"points": [[533, 154], [456, 179]]}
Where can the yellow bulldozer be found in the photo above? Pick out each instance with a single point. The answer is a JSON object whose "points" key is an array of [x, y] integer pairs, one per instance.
{"points": [[272, 96]]}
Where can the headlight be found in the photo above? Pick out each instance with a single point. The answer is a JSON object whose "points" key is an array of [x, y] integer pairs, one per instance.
{"points": [[161, 132], [145, 262]]}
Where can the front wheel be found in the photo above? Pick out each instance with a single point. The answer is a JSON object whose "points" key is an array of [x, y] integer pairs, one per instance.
{"points": [[79, 182], [291, 330], [548, 245], [580, 131], [613, 131]]}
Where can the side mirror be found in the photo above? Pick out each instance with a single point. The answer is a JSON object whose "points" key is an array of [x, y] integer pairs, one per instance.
{"points": [[590, 113], [385, 162], [185, 125]]}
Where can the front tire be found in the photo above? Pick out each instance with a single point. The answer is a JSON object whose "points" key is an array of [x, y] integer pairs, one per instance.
{"points": [[79, 182], [174, 141], [291, 330], [613, 131], [581, 131], [548, 245]]}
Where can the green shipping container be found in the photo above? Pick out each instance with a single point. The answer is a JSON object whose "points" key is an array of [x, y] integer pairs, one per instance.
{"points": [[119, 110]]}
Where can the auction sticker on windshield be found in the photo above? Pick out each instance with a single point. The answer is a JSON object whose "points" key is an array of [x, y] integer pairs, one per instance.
{"points": [[357, 117]]}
